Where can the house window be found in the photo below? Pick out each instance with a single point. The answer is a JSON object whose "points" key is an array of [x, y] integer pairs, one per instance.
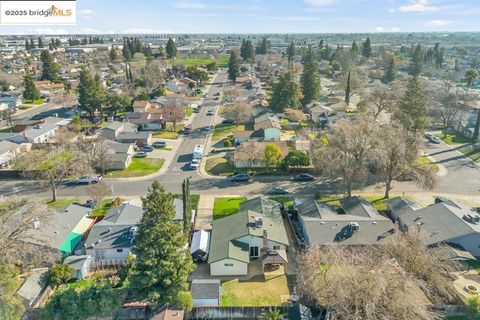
{"points": [[276, 247], [119, 250], [228, 264], [254, 252]]}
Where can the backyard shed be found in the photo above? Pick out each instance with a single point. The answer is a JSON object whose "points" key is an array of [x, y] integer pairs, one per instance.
{"points": [[200, 245], [205, 292], [80, 265]]}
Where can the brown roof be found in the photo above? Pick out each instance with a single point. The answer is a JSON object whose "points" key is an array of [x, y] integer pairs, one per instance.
{"points": [[145, 117], [141, 104], [169, 314], [260, 148], [242, 134]]}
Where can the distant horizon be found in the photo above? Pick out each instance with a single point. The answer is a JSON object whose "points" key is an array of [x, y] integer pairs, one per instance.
{"points": [[263, 17]]}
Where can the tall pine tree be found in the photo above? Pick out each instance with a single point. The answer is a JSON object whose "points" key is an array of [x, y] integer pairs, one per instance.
{"points": [[347, 90], [413, 107], [187, 205], [310, 78], [30, 92], [285, 94], [171, 49], [161, 266], [49, 67], [417, 61], [389, 75], [233, 67], [291, 50], [367, 48]]}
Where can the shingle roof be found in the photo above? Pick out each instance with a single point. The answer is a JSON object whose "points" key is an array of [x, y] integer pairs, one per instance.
{"points": [[7, 146], [134, 135], [357, 206], [38, 130], [205, 289]]}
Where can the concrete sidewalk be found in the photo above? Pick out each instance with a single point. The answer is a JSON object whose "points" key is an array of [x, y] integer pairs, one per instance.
{"points": [[204, 217]]}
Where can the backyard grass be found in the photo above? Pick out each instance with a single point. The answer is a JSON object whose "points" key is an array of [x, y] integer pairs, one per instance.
{"points": [[287, 201], [453, 138], [472, 153], [255, 292], [223, 207], [60, 203], [377, 201], [425, 160], [219, 166], [223, 131], [106, 204], [138, 168]]}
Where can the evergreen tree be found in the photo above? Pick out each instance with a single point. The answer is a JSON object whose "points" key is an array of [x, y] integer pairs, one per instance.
{"points": [[161, 267], [320, 45], [113, 54], [347, 89], [389, 75], [417, 61], [127, 54], [354, 48], [30, 92], [27, 45], [91, 93], [233, 67], [171, 49], [40, 42], [32, 44], [367, 48], [413, 107], [49, 67], [263, 46], [242, 50], [291, 53], [187, 206], [285, 93], [310, 78]]}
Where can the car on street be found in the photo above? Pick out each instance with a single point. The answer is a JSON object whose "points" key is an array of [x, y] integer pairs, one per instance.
{"points": [[207, 128], [159, 144], [210, 112], [205, 95], [428, 135], [194, 164], [435, 140], [217, 94], [147, 149], [140, 154], [240, 177], [88, 179], [279, 190], [303, 177]]}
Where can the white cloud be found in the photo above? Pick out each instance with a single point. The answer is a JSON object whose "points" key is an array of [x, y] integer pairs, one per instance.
{"points": [[145, 31], [395, 29], [86, 14], [438, 23], [46, 31], [88, 31], [380, 29], [416, 6], [318, 2]]}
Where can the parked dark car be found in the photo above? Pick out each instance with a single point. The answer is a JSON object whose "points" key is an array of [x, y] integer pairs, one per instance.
{"points": [[303, 177], [228, 121], [140, 154], [159, 144], [279, 190], [147, 149], [241, 177]]}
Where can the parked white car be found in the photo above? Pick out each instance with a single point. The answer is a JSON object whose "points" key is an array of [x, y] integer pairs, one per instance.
{"points": [[88, 179]]}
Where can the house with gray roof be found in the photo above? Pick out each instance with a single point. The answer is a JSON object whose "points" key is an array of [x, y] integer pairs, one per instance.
{"points": [[252, 233], [8, 152], [447, 221], [112, 238], [125, 132], [356, 223], [120, 154], [40, 133]]}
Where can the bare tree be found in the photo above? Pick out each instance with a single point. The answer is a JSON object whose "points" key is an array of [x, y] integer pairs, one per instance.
{"points": [[153, 75], [99, 191], [241, 112], [358, 81], [295, 114], [396, 156], [102, 157], [345, 151], [395, 280], [448, 108], [382, 98], [17, 216], [251, 152]]}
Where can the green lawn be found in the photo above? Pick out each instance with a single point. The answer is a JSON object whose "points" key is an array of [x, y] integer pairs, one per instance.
{"points": [[24, 107], [287, 201], [472, 153], [138, 168], [201, 59], [377, 201], [223, 207], [453, 138], [255, 292], [425, 160], [166, 135], [60, 203], [189, 111], [106, 204], [223, 131], [219, 166], [36, 101]]}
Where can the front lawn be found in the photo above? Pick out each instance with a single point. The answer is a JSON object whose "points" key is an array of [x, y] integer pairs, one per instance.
{"points": [[219, 166], [255, 292], [453, 138], [224, 131], [472, 153], [430, 163], [35, 102], [60, 203], [138, 168], [287, 201], [165, 135], [223, 207]]}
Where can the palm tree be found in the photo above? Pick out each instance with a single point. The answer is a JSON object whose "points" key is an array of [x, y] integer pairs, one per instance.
{"points": [[471, 76]]}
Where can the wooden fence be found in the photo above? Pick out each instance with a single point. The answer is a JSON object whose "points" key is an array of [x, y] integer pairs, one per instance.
{"points": [[228, 313]]}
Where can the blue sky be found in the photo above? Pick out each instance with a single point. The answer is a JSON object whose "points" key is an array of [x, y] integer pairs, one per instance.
{"points": [[265, 16]]}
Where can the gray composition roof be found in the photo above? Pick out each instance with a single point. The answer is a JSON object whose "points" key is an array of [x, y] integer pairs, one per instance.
{"points": [[33, 286], [7, 146], [118, 147], [357, 206], [36, 131], [76, 262], [205, 289], [134, 135], [178, 203], [8, 135], [115, 230]]}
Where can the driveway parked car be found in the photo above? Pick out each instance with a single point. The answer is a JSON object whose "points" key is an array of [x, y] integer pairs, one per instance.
{"points": [[147, 149], [207, 128], [303, 177], [194, 164], [241, 177], [210, 112], [140, 154], [279, 190], [88, 179], [435, 140], [159, 144]]}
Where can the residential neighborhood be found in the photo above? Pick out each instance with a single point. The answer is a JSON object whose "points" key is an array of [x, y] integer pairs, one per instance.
{"points": [[212, 169]]}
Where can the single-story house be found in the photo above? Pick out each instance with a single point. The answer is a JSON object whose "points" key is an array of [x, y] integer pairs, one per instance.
{"points": [[8, 152], [112, 238], [145, 120], [319, 113], [142, 137], [114, 128], [141, 105], [447, 221], [12, 100], [39, 133], [359, 224], [80, 265], [121, 154], [237, 240], [63, 231], [242, 158], [205, 292], [265, 121]]}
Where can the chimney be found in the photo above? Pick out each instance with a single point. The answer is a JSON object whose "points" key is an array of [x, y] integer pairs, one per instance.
{"points": [[265, 240]]}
